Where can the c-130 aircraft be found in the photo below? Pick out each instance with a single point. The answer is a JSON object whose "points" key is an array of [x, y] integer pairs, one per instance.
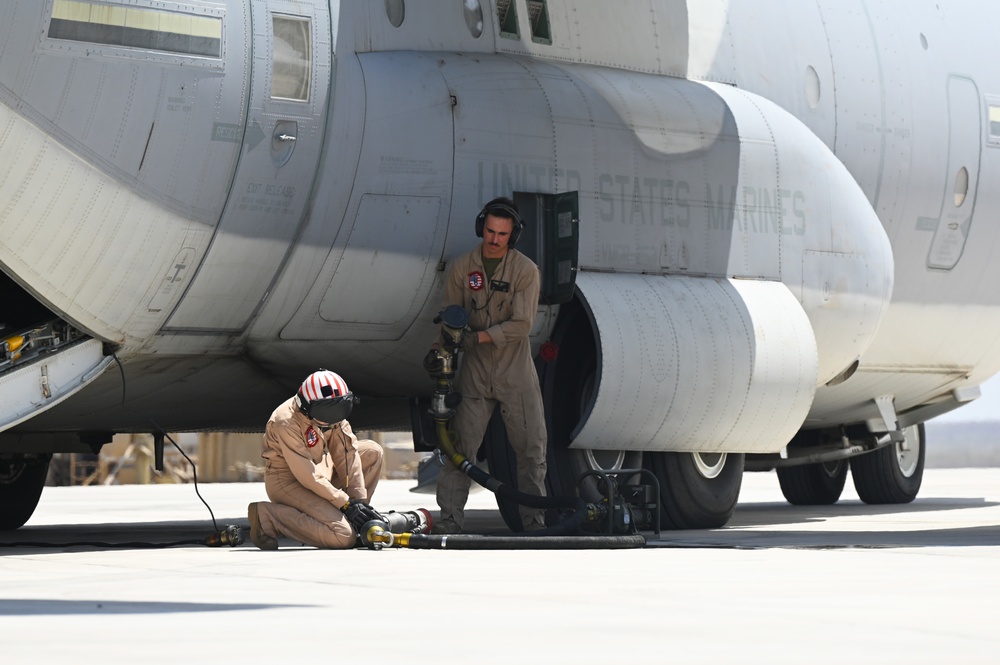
{"points": [[760, 225]]}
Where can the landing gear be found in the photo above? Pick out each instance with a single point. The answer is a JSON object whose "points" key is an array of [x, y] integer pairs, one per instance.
{"points": [[892, 474], [813, 484], [697, 490], [21, 481]]}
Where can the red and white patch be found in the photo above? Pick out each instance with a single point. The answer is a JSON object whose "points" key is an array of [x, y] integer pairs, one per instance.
{"points": [[476, 281], [312, 437]]}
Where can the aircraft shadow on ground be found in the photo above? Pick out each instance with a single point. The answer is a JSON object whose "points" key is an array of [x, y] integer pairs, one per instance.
{"points": [[976, 536], [747, 529], [60, 538], [43, 607], [117, 536], [777, 513]]}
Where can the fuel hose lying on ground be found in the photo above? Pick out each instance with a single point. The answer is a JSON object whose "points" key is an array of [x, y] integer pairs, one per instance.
{"points": [[465, 541]]}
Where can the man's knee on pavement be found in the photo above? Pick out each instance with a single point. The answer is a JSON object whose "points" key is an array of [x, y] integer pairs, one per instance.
{"points": [[339, 535]]}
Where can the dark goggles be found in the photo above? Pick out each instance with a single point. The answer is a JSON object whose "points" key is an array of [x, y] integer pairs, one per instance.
{"points": [[334, 409]]}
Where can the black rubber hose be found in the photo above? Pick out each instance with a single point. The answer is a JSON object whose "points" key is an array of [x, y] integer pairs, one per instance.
{"points": [[471, 542], [571, 525], [494, 485], [523, 498]]}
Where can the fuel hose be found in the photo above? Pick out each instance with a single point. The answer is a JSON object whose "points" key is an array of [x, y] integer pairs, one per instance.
{"points": [[464, 541]]}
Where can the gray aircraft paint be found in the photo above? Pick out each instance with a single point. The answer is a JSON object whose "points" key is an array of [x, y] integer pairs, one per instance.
{"points": [[346, 267]]}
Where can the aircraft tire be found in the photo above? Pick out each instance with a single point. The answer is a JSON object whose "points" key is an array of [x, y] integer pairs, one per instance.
{"points": [[813, 484], [891, 474], [21, 483], [697, 490]]}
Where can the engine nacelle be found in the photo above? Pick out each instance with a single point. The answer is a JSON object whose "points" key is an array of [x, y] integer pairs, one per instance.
{"points": [[695, 364]]}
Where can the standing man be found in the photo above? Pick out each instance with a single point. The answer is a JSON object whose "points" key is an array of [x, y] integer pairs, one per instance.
{"points": [[319, 477], [499, 288]]}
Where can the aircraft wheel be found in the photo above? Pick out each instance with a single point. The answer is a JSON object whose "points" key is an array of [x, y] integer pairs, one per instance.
{"points": [[21, 483], [813, 484], [697, 490], [891, 474]]}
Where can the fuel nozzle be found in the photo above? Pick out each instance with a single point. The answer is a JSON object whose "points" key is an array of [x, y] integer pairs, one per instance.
{"points": [[612, 517], [454, 320], [394, 527], [232, 535]]}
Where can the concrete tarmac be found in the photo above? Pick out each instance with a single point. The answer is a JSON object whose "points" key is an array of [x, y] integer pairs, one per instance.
{"points": [[918, 583]]}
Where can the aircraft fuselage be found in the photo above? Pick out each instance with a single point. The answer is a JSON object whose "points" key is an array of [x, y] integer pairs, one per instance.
{"points": [[233, 194]]}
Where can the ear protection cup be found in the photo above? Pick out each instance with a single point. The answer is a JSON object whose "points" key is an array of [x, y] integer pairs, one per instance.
{"points": [[506, 208]]}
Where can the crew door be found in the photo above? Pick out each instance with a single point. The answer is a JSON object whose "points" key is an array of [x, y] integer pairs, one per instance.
{"points": [[552, 240], [282, 142], [962, 175]]}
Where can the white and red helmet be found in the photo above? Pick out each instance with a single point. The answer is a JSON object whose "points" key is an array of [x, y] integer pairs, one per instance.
{"points": [[324, 396]]}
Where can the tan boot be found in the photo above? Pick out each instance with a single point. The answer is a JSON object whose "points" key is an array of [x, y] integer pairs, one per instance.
{"points": [[257, 535]]}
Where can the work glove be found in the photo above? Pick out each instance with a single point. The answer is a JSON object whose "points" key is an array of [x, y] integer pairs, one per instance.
{"points": [[433, 363], [470, 340], [359, 513]]}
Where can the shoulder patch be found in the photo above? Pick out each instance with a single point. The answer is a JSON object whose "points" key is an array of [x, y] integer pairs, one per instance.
{"points": [[312, 437]]}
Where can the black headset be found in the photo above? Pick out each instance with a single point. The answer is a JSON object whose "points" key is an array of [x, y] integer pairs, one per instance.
{"points": [[501, 207]]}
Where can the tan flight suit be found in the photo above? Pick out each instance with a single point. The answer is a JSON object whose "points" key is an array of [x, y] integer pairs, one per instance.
{"points": [[501, 372], [311, 474]]}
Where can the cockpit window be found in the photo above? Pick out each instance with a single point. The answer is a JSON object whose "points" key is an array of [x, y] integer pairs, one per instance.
{"points": [[538, 18], [140, 28], [507, 18], [291, 74]]}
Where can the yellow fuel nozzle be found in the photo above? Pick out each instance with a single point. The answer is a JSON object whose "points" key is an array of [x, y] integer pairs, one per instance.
{"points": [[377, 537]]}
